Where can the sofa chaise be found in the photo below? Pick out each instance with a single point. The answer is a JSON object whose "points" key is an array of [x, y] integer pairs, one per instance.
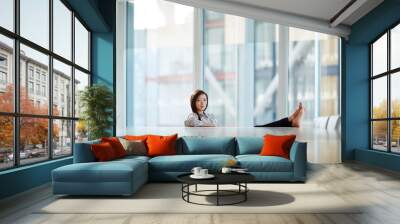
{"points": [[125, 176]]}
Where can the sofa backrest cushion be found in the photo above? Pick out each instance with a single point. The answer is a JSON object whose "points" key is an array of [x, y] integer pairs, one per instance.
{"points": [[192, 145], [83, 152], [249, 145]]}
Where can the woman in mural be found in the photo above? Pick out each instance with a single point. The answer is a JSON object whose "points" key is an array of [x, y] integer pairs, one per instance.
{"points": [[199, 117]]}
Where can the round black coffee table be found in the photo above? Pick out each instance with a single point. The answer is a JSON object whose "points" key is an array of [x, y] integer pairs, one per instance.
{"points": [[238, 179]]}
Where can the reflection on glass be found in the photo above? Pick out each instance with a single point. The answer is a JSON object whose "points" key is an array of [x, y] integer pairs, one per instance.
{"points": [[329, 75], [302, 76], [81, 82], [395, 138], [6, 74], [6, 142], [62, 138], [266, 72], [81, 45], [163, 65], [224, 39], [395, 47], [33, 139], [7, 14], [35, 21], [62, 29], [379, 98], [62, 89], [34, 96], [379, 56], [379, 135], [81, 131], [313, 69], [160, 67], [395, 95]]}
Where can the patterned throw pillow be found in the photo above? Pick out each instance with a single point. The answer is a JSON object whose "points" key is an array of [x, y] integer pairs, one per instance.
{"points": [[135, 147]]}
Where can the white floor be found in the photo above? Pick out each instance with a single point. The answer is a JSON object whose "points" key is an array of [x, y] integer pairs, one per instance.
{"points": [[377, 190]]}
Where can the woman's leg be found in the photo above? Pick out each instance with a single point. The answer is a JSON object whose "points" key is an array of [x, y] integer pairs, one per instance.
{"points": [[292, 121], [279, 123]]}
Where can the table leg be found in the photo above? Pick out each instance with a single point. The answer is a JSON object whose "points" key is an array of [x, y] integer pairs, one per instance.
{"points": [[188, 190], [245, 193], [196, 188], [182, 189], [217, 194]]}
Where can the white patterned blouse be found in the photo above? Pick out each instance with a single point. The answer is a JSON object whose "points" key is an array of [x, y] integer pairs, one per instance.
{"points": [[206, 120]]}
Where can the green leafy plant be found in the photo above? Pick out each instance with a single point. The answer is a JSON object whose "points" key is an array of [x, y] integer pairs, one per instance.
{"points": [[97, 104]]}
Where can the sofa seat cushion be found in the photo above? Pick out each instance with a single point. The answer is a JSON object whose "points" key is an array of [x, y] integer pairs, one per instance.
{"points": [[185, 163], [257, 163], [112, 171], [133, 158]]}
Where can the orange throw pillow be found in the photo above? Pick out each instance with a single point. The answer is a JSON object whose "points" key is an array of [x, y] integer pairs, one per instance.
{"points": [[103, 152], [136, 137], [277, 145], [161, 145], [116, 145]]}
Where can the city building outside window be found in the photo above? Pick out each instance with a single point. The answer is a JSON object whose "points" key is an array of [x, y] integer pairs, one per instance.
{"points": [[3, 61], [31, 88], [3, 78], [30, 72], [38, 89]]}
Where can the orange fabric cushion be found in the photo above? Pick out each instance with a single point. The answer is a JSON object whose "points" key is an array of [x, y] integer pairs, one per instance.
{"points": [[161, 145], [136, 137], [103, 152], [116, 145], [277, 145]]}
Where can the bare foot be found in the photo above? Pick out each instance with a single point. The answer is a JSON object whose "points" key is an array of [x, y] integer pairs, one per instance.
{"points": [[296, 112], [296, 120]]}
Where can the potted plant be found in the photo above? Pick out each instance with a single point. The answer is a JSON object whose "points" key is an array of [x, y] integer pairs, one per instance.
{"points": [[96, 103]]}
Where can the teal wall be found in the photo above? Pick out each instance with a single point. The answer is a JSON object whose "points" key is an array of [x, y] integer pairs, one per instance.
{"points": [[24, 178], [103, 63], [356, 101], [102, 58], [99, 15]]}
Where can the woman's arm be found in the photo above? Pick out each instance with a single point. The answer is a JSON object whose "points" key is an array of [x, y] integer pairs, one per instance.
{"points": [[211, 121]]}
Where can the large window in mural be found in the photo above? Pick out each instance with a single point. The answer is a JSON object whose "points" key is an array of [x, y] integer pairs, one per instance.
{"points": [[40, 80], [234, 59], [385, 94]]}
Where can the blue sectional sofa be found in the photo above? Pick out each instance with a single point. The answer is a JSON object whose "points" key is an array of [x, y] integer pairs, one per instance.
{"points": [[125, 176]]}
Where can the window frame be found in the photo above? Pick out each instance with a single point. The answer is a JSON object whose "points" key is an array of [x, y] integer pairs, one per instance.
{"points": [[388, 74], [16, 114]]}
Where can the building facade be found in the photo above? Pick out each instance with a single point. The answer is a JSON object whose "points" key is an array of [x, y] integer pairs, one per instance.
{"points": [[34, 82]]}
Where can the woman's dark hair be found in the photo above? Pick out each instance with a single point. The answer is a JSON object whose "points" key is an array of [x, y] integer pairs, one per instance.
{"points": [[193, 99]]}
